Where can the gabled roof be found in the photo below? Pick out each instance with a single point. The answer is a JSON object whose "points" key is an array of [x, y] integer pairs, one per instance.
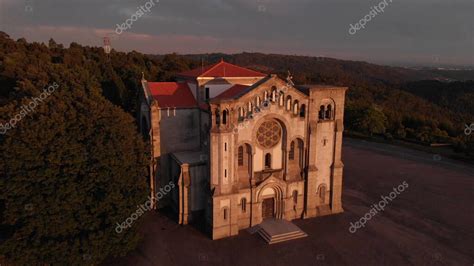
{"points": [[232, 92], [238, 91], [221, 69], [172, 94], [235, 92]]}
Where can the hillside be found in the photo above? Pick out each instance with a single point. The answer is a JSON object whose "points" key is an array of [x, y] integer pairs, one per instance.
{"points": [[391, 102]]}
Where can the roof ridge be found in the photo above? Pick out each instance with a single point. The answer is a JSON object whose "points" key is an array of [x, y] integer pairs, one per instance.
{"points": [[241, 67], [212, 67]]}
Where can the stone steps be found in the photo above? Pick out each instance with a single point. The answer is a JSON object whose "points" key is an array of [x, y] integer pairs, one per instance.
{"points": [[276, 231], [254, 229], [281, 238]]}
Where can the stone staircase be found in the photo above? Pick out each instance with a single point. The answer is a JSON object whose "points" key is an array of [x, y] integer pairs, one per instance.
{"points": [[276, 231]]}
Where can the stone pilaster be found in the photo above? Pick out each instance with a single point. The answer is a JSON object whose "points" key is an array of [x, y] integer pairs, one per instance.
{"points": [[184, 183]]}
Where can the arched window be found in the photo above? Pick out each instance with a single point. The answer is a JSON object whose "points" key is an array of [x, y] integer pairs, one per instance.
{"points": [[274, 94], [295, 107], [241, 113], [250, 106], [299, 152], [268, 161], [241, 156], [291, 154], [224, 117], [322, 194], [257, 101], [243, 203], [218, 117], [265, 96], [303, 110], [281, 100], [329, 112], [288, 103], [225, 214], [295, 196], [321, 112]]}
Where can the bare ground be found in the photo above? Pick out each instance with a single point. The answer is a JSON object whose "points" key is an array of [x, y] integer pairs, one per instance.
{"points": [[430, 223]]}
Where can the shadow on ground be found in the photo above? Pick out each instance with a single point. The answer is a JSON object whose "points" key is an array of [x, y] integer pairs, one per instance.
{"points": [[430, 223]]}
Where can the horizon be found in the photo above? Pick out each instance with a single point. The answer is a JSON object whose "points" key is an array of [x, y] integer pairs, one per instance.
{"points": [[388, 64], [303, 28]]}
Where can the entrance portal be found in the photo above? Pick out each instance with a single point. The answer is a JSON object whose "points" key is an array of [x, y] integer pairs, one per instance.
{"points": [[268, 206]]}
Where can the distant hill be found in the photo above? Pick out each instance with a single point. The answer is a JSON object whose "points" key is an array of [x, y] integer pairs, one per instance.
{"points": [[392, 102], [329, 70]]}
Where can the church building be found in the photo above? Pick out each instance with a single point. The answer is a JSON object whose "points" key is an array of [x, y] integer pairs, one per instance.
{"points": [[242, 146]]}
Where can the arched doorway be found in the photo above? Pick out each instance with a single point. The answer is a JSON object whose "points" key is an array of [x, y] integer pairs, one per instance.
{"points": [[271, 200], [268, 208]]}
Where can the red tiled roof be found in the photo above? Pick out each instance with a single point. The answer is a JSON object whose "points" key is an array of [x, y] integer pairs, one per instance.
{"points": [[232, 92], [221, 69], [172, 94]]}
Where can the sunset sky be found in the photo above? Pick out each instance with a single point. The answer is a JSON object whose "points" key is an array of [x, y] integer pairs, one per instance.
{"points": [[424, 32]]}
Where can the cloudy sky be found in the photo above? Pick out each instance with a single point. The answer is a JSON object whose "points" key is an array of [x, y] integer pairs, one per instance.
{"points": [[427, 32]]}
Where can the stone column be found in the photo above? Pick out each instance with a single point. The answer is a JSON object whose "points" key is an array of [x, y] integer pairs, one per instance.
{"points": [[337, 168], [184, 185]]}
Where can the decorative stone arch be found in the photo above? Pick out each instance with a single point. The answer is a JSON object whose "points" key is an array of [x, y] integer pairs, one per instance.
{"points": [[296, 161], [281, 120], [274, 92], [303, 110], [241, 113], [295, 138], [295, 107], [225, 116], [327, 109], [278, 195], [245, 142], [288, 103], [244, 161], [281, 100], [217, 116]]}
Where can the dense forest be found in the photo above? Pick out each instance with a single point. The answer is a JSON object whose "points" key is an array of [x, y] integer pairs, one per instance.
{"points": [[85, 129]]}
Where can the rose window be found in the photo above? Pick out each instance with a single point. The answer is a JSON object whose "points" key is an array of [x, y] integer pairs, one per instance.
{"points": [[269, 134]]}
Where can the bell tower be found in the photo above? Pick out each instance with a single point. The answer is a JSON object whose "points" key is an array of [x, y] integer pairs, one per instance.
{"points": [[325, 167]]}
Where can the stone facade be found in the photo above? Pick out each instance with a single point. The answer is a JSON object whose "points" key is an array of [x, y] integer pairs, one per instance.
{"points": [[265, 149]]}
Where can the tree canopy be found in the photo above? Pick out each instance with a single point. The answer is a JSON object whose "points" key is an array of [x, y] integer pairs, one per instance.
{"points": [[70, 169]]}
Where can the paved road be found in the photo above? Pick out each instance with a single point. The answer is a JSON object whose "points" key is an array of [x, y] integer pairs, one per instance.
{"points": [[429, 223]]}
